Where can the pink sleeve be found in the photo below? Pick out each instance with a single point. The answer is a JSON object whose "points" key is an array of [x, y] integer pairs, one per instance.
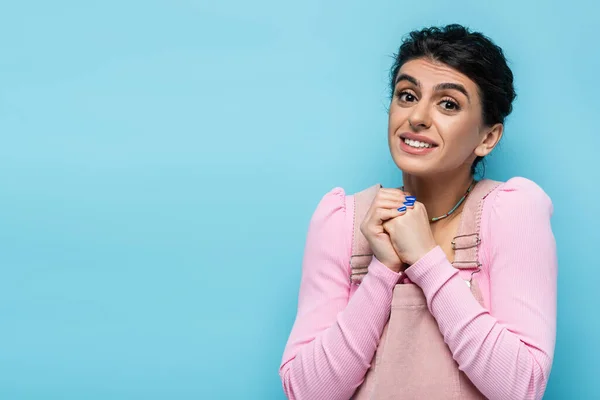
{"points": [[507, 353], [333, 340]]}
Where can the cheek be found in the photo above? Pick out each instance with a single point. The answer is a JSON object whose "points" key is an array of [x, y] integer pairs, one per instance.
{"points": [[396, 117], [459, 132]]}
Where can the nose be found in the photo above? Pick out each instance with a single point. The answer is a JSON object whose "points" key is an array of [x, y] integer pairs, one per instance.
{"points": [[419, 119]]}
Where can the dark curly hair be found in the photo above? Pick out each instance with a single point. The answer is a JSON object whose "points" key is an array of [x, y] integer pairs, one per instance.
{"points": [[470, 53]]}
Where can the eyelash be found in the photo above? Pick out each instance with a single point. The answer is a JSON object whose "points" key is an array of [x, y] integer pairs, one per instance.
{"points": [[455, 105]]}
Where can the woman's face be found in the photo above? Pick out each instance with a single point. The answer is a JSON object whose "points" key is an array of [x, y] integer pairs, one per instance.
{"points": [[435, 120]]}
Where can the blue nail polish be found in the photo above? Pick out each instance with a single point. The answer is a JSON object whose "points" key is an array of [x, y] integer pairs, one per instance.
{"points": [[409, 203], [402, 209], [410, 198]]}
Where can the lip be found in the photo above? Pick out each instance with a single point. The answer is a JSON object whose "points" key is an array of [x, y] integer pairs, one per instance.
{"points": [[412, 150], [417, 137]]}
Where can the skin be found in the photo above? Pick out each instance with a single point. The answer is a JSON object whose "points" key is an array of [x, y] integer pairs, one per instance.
{"points": [[451, 116]]}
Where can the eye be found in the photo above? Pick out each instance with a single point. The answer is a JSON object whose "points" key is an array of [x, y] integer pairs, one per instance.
{"points": [[449, 105], [405, 96]]}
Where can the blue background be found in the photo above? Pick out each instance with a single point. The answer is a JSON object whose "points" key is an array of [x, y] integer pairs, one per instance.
{"points": [[160, 161]]}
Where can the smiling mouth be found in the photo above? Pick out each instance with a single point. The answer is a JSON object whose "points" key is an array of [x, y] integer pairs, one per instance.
{"points": [[417, 144]]}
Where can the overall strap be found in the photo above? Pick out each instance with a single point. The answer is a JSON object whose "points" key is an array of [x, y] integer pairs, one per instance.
{"points": [[361, 252], [466, 242]]}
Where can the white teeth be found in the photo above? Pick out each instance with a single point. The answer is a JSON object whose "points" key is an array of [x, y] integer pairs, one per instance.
{"points": [[416, 144]]}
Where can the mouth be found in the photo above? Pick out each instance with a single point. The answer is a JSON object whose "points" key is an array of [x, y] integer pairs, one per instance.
{"points": [[416, 144]]}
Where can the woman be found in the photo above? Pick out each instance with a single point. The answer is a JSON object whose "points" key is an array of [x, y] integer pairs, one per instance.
{"points": [[451, 92]]}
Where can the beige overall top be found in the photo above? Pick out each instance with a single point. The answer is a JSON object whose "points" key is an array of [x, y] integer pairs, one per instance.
{"points": [[412, 360]]}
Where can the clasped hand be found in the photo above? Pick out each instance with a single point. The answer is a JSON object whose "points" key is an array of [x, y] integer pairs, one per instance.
{"points": [[397, 229]]}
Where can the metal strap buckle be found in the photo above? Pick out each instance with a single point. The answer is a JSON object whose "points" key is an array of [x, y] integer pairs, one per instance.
{"points": [[360, 255], [477, 241], [351, 267]]}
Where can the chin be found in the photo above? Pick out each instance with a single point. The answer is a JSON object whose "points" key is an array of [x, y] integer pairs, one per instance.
{"points": [[414, 166]]}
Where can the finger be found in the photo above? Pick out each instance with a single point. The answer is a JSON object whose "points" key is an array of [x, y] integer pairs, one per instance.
{"points": [[403, 209], [382, 214], [391, 197], [396, 190], [390, 204], [408, 201], [391, 192], [394, 194]]}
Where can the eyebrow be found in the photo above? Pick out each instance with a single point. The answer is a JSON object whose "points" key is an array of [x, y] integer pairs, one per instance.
{"points": [[438, 87]]}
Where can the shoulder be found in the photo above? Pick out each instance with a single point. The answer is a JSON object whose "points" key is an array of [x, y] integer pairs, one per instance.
{"points": [[330, 230], [333, 216], [338, 211], [519, 199], [332, 203], [521, 191]]}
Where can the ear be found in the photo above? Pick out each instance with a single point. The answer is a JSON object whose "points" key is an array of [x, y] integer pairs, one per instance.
{"points": [[491, 137]]}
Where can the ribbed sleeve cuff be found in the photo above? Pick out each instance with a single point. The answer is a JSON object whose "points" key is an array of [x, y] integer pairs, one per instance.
{"points": [[382, 273], [431, 271]]}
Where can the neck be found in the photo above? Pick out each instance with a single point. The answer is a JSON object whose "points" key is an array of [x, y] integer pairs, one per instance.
{"points": [[440, 193]]}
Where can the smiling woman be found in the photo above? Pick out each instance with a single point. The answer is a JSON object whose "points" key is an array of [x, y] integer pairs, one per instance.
{"points": [[444, 287]]}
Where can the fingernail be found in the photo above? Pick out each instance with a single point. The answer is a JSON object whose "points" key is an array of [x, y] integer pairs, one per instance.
{"points": [[409, 203], [410, 198], [402, 209]]}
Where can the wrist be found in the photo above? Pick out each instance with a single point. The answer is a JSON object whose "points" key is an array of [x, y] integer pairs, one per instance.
{"points": [[422, 253], [432, 270], [393, 266]]}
